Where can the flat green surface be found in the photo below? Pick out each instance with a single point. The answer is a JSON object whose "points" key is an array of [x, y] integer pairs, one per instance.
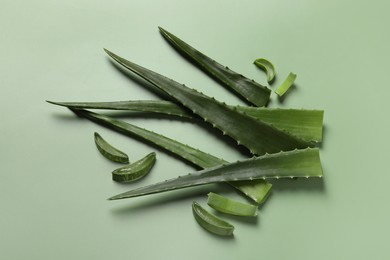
{"points": [[54, 183]]}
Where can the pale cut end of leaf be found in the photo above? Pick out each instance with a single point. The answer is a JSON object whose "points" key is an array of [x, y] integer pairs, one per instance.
{"points": [[288, 82], [268, 67]]}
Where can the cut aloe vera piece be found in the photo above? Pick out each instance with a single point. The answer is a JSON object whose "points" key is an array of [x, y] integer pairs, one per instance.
{"points": [[109, 151], [288, 82], [257, 190], [256, 135], [267, 66], [229, 206], [291, 164], [136, 170], [210, 222], [252, 91]]}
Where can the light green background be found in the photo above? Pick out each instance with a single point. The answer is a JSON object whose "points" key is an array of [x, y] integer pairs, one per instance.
{"points": [[54, 184]]}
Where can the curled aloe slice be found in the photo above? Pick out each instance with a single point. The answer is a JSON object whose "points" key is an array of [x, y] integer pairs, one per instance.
{"points": [[109, 151], [257, 190], [288, 82], [267, 66], [297, 163], [229, 206], [258, 136], [250, 90], [210, 222], [136, 170], [303, 123]]}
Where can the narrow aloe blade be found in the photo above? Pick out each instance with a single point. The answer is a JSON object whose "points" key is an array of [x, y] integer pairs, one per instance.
{"points": [[155, 106], [288, 82], [257, 190], [267, 66], [291, 164], [303, 123], [258, 136], [252, 91]]}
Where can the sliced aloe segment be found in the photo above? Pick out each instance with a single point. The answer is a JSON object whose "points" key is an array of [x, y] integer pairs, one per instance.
{"points": [[136, 170], [267, 66], [229, 206], [257, 190], [258, 136], [210, 222], [288, 82], [109, 151], [250, 90], [291, 164]]}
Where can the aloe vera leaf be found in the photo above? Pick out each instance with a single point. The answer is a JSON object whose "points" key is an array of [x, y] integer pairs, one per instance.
{"points": [[258, 136], [210, 222], [252, 91], [303, 123], [229, 206], [136, 170], [267, 66], [155, 106], [109, 151], [291, 164], [287, 83], [257, 190]]}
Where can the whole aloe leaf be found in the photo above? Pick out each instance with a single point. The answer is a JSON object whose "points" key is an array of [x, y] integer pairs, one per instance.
{"points": [[297, 163], [257, 190], [303, 123], [258, 136], [252, 91]]}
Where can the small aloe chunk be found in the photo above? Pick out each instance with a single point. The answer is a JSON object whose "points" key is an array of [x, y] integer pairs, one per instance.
{"points": [[288, 82], [250, 90], [291, 164], [210, 222], [136, 170], [109, 151], [229, 206], [267, 66], [258, 136]]}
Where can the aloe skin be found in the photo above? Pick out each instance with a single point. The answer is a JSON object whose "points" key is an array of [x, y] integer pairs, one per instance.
{"points": [[286, 85], [250, 90]]}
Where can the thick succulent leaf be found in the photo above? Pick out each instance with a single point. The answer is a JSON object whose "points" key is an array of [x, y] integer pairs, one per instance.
{"points": [[252, 91], [258, 136], [303, 123], [256, 190], [155, 106], [297, 163]]}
